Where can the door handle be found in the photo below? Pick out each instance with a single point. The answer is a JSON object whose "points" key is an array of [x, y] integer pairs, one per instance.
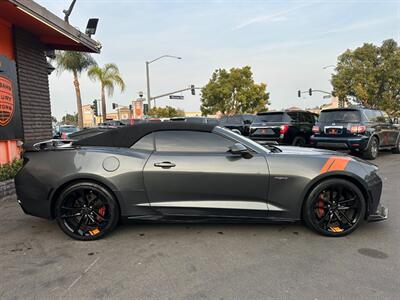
{"points": [[165, 164]]}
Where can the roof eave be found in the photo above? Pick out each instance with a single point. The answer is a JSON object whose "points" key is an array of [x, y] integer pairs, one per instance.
{"points": [[42, 14]]}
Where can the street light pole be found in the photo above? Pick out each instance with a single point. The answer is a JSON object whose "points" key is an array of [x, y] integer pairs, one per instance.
{"points": [[148, 84], [148, 76]]}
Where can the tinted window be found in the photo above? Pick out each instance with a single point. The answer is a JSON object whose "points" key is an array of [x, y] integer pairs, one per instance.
{"points": [[296, 116], [385, 118], [191, 141], [340, 116], [271, 117], [373, 115], [145, 143]]}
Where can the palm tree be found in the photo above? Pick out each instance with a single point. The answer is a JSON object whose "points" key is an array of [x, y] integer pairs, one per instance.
{"points": [[108, 76], [75, 62]]}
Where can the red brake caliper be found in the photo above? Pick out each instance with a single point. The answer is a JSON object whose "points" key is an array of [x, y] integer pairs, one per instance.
{"points": [[320, 206], [101, 212]]}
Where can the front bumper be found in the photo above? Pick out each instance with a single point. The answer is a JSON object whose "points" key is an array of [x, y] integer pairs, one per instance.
{"points": [[339, 142], [381, 214]]}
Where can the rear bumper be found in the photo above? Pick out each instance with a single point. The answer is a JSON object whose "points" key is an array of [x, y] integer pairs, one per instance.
{"points": [[339, 143], [381, 214]]}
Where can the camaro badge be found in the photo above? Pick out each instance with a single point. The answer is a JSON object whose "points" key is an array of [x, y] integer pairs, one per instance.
{"points": [[6, 101]]}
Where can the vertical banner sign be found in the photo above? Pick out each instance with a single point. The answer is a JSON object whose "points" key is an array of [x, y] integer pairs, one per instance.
{"points": [[6, 101], [10, 116], [138, 111]]}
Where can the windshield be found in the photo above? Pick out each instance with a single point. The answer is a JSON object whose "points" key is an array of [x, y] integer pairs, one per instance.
{"points": [[270, 117], [340, 116]]}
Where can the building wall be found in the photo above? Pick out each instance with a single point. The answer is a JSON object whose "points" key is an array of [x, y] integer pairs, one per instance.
{"points": [[33, 87]]}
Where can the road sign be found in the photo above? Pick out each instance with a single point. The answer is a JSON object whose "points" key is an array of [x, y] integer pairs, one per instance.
{"points": [[326, 97], [176, 97]]}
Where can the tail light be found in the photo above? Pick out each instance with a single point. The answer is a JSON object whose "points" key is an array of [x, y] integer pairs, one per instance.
{"points": [[284, 129], [358, 129], [315, 129]]}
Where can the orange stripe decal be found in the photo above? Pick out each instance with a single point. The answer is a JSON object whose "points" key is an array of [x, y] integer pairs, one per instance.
{"points": [[335, 164], [327, 165]]}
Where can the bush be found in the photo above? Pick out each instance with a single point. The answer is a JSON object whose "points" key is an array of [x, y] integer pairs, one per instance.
{"points": [[9, 170]]}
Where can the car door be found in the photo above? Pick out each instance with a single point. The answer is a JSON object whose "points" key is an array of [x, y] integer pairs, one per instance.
{"points": [[391, 130], [192, 173]]}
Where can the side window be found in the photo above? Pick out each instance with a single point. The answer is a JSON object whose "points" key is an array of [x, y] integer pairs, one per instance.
{"points": [[145, 143], [385, 118], [191, 141]]}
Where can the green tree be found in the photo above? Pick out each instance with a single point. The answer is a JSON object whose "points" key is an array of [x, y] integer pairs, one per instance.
{"points": [[233, 92], [109, 77], [166, 112], [75, 62], [69, 119], [370, 75]]}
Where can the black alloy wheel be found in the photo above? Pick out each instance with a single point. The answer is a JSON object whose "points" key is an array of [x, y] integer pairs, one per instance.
{"points": [[372, 150], [335, 207], [86, 211]]}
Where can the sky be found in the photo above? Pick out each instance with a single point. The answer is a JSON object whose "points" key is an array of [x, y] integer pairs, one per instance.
{"points": [[286, 43]]}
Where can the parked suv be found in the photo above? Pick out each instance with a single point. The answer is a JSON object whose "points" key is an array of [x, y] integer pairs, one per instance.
{"points": [[357, 129], [238, 123], [284, 127]]}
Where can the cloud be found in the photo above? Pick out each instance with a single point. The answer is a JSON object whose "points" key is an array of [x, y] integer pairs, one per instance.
{"points": [[278, 16], [356, 26]]}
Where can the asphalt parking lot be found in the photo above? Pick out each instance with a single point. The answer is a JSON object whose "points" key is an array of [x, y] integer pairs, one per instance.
{"points": [[204, 261]]}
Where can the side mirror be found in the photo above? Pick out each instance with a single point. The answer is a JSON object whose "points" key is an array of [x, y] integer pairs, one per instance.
{"points": [[395, 120], [237, 131], [239, 149]]}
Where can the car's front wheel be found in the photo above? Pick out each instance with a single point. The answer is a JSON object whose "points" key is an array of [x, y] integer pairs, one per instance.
{"points": [[335, 207], [86, 211]]}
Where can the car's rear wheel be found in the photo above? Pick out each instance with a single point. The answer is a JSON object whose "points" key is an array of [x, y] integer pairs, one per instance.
{"points": [[86, 211], [299, 141], [396, 150], [335, 207], [372, 150]]}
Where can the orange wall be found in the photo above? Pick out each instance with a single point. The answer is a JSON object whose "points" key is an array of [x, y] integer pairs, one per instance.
{"points": [[8, 149], [6, 45]]}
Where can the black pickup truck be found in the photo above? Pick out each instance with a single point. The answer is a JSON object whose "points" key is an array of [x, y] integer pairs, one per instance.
{"points": [[360, 130]]}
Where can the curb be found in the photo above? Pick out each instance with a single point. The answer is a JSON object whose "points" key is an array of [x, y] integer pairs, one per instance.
{"points": [[7, 189]]}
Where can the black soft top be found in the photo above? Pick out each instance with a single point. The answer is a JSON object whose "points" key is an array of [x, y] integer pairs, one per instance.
{"points": [[129, 135]]}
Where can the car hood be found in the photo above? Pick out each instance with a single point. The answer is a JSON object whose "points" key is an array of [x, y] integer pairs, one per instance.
{"points": [[308, 151], [319, 152]]}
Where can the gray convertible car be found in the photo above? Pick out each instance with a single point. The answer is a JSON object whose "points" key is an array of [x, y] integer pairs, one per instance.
{"points": [[185, 172]]}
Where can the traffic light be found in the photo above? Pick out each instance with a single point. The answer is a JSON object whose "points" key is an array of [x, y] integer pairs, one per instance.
{"points": [[130, 107], [299, 93], [145, 109], [310, 91], [94, 107], [114, 105], [192, 90]]}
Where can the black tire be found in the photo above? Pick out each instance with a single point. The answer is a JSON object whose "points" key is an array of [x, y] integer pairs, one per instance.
{"points": [[325, 213], [396, 150], [86, 211], [372, 150], [299, 141]]}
